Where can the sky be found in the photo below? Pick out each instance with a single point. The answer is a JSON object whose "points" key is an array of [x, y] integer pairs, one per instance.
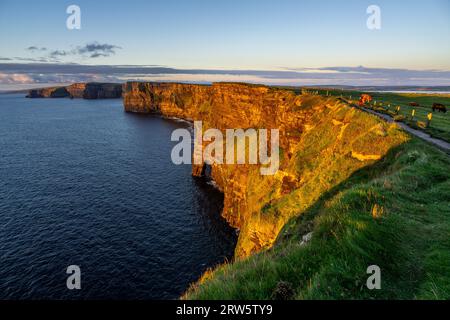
{"points": [[294, 42]]}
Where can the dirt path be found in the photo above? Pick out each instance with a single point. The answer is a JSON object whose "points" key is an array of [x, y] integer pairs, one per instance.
{"points": [[422, 135]]}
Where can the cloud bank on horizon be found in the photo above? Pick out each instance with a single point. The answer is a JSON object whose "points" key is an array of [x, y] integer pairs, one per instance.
{"points": [[21, 75]]}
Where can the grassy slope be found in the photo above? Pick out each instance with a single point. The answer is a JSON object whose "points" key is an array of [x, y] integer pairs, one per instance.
{"points": [[410, 187], [440, 125]]}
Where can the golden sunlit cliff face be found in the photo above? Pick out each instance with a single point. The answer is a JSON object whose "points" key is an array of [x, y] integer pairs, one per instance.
{"points": [[322, 142]]}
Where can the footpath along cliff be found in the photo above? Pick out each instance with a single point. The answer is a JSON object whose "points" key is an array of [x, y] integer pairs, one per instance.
{"points": [[323, 141]]}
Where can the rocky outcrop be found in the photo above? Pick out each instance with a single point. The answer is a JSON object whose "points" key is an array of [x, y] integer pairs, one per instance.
{"points": [[76, 90], [90, 90], [53, 92], [321, 143]]}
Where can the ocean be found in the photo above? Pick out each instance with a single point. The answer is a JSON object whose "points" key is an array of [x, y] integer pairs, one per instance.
{"points": [[85, 183]]}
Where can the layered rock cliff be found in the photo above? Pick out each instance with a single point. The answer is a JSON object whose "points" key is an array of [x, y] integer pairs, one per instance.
{"points": [[102, 91], [323, 141], [52, 92], [90, 90]]}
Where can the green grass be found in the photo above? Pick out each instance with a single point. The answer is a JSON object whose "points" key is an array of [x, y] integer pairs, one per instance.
{"points": [[410, 241], [440, 124]]}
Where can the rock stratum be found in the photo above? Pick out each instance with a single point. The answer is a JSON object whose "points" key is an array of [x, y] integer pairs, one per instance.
{"points": [[90, 90], [323, 141]]}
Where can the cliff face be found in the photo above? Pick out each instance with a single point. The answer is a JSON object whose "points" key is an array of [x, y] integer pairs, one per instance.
{"points": [[322, 142], [91, 90], [102, 91], [53, 92], [76, 90]]}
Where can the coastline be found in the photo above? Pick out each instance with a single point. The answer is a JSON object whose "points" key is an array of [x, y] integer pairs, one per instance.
{"points": [[331, 119], [270, 108]]}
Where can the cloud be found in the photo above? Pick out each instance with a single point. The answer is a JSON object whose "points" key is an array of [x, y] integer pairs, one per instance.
{"points": [[58, 53], [95, 49], [15, 78], [34, 48], [90, 50], [41, 59], [97, 54]]}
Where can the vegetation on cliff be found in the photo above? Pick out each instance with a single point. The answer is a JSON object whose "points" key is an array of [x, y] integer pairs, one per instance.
{"points": [[352, 191], [323, 141], [394, 214], [401, 105]]}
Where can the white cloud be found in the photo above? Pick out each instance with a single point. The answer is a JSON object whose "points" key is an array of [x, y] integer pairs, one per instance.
{"points": [[16, 78]]}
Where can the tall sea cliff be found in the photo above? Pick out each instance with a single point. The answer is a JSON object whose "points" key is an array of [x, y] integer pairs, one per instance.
{"points": [[90, 90], [323, 141]]}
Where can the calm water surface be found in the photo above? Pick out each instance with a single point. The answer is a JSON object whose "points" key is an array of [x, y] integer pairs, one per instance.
{"points": [[84, 183]]}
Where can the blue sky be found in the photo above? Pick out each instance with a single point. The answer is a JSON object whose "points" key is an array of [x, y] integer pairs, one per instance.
{"points": [[310, 36]]}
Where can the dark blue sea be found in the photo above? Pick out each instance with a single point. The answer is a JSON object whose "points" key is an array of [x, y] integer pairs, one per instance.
{"points": [[84, 183]]}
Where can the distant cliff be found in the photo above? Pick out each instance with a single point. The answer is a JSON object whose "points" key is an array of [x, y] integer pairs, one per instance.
{"points": [[90, 90], [323, 142], [52, 92]]}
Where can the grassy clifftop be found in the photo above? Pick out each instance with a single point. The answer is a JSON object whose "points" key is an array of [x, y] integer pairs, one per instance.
{"points": [[389, 102], [323, 142], [360, 188], [394, 213]]}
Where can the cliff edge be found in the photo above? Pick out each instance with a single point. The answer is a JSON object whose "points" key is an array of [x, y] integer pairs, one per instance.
{"points": [[90, 90], [323, 142]]}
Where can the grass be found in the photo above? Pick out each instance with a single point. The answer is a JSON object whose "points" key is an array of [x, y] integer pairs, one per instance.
{"points": [[339, 140], [440, 124], [394, 214]]}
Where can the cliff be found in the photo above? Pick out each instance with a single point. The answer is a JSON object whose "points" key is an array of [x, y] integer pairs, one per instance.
{"points": [[323, 142], [52, 92], [90, 90], [102, 91]]}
